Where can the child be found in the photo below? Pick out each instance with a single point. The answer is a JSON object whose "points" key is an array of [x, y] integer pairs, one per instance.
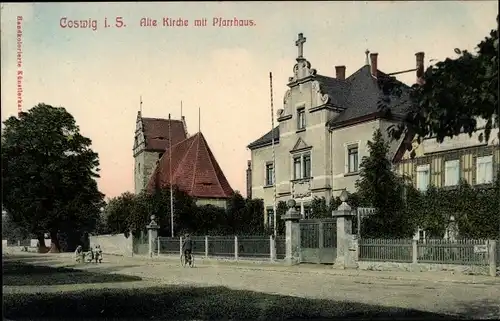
{"points": [[79, 254], [98, 254]]}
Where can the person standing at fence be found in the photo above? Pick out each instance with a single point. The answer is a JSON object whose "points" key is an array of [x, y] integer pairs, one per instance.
{"points": [[187, 247]]}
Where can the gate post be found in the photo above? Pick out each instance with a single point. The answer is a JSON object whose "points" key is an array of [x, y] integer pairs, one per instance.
{"points": [[291, 219], [272, 248], [321, 241], [206, 246], [345, 243], [492, 249], [152, 235]]}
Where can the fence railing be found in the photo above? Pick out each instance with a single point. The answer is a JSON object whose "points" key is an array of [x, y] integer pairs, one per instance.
{"points": [[231, 247], [462, 252], [388, 250], [435, 251]]}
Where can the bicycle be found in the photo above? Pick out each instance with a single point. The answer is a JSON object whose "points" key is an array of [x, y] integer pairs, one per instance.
{"points": [[183, 260]]}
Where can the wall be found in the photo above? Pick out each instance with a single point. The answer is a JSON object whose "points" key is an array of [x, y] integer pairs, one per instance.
{"points": [[212, 201], [422, 267], [34, 242], [145, 164], [116, 244], [357, 134], [315, 139]]}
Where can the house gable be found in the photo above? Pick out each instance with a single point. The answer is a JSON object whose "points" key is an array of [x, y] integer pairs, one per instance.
{"points": [[300, 145]]}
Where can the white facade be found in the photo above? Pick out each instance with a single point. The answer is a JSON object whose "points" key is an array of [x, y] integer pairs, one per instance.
{"points": [[312, 160]]}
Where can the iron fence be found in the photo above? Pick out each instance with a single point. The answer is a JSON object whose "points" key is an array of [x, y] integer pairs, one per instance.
{"points": [[249, 246], [462, 252], [386, 250], [169, 245], [329, 235], [198, 245], [309, 235], [222, 246], [254, 246]]}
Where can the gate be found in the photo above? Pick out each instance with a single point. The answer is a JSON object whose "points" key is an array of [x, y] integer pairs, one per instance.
{"points": [[318, 241]]}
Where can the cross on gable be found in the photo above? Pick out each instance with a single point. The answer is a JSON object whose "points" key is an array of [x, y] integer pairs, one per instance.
{"points": [[300, 44]]}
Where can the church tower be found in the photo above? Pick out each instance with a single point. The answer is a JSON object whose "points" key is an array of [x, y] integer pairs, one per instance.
{"points": [[151, 140]]}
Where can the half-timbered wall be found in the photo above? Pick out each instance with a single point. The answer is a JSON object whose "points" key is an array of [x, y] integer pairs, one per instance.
{"points": [[436, 161]]}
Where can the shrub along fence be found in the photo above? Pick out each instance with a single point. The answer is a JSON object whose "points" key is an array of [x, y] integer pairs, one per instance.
{"points": [[434, 251], [228, 247]]}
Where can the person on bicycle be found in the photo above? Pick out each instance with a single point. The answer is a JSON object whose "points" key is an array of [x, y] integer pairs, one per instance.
{"points": [[187, 247]]}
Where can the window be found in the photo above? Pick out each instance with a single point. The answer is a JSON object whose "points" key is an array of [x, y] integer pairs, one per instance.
{"points": [[301, 118], [484, 170], [307, 166], [451, 172], [302, 166], [352, 159], [423, 177], [270, 217], [269, 174], [296, 167]]}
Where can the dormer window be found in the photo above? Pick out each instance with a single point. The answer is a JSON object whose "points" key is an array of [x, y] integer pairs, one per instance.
{"points": [[301, 118]]}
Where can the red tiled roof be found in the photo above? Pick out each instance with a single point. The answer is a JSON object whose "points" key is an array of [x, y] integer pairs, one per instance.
{"points": [[194, 170], [156, 133]]}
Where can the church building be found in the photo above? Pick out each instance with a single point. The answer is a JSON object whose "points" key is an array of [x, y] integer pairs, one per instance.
{"points": [[166, 155], [322, 133]]}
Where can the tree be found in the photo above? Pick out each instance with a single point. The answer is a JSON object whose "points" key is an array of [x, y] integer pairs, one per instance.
{"points": [[118, 211], [319, 208], [381, 188], [158, 204], [455, 93], [236, 213], [11, 231], [254, 223], [49, 172]]}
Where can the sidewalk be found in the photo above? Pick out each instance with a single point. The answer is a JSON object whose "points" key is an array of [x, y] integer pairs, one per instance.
{"points": [[442, 276]]}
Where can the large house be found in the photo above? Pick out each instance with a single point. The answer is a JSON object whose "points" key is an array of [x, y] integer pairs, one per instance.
{"points": [[322, 133], [166, 155]]}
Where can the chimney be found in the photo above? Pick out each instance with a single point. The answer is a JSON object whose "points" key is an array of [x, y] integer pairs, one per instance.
{"points": [[373, 59], [340, 72], [420, 67]]}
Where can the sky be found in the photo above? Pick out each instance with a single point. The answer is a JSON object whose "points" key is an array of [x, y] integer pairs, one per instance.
{"points": [[99, 75]]}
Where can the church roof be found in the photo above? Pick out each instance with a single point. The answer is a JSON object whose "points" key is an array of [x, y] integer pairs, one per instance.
{"points": [[156, 133], [194, 170], [357, 96]]}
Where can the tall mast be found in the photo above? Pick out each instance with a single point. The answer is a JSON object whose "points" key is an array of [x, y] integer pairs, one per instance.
{"points": [[274, 154], [170, 175]]}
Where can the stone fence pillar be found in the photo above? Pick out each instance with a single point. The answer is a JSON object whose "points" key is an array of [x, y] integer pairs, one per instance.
{"points": [[346, 255], [492, 255], [153, 228], [292, 241]]}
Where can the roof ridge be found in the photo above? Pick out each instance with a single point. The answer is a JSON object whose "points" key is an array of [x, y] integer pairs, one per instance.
{"points": [[195, 161], [165, 119], [210, 156]]}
